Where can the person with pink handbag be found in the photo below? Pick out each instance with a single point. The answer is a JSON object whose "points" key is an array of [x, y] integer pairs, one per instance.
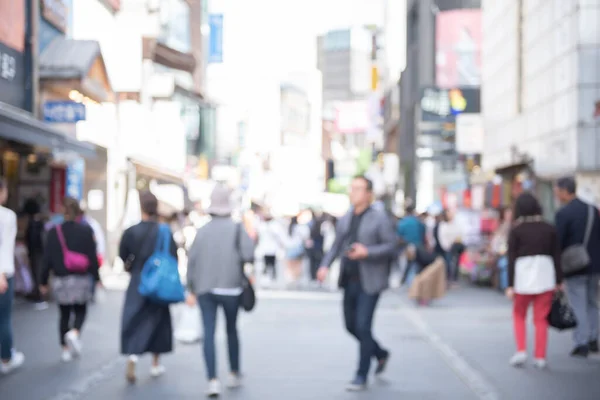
{"points": [[71, 257]]}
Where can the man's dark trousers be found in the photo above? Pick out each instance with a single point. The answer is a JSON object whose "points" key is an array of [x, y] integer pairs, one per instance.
{"points": [[359, 309]]}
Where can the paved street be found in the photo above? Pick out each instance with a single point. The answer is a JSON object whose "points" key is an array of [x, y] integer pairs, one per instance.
{"points": [[294, 348]]}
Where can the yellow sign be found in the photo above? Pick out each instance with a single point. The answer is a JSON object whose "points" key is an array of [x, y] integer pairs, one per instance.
{"points": [[202, 169], [374, 78]]}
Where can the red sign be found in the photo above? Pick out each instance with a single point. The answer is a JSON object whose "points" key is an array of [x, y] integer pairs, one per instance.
{"points": [[114, 4], [58, 181]]}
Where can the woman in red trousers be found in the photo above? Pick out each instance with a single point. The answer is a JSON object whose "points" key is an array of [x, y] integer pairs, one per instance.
{"points": [[534, 274]]}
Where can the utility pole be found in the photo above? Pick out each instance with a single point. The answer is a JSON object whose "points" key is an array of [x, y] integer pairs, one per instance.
{"points": [[34, 24]]}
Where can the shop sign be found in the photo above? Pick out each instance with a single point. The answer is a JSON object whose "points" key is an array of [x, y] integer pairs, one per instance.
{"points": [[65, 112], [215, 44], [56, 13], [75, 176], [12, 77], [443, 105]]}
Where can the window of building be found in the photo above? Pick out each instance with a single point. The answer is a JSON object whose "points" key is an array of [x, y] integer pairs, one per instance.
{"points": [[175, 25]]}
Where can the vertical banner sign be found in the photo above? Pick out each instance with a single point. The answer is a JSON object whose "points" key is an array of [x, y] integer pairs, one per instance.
{"points": [[75, 176], [215, 48], [57, 189], [458, 46]]}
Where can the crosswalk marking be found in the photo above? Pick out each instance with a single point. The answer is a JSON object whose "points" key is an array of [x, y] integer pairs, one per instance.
{"points": [[474, 380]]}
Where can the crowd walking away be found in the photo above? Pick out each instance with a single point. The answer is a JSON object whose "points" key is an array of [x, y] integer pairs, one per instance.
{"points": [[366, 242], [554, 267]]}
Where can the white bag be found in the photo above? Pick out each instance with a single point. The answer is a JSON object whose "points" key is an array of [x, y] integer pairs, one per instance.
{"points": [[187, 328]]}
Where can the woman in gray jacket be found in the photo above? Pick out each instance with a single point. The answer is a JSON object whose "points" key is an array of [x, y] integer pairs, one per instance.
{"points": [[214, 279]]}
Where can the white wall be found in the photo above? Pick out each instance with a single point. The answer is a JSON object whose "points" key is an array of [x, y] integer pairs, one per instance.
{"points": [[546, 128]]}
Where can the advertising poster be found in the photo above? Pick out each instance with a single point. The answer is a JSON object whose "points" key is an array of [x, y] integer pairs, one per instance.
{"points": [[12, 44], [458, 48]]}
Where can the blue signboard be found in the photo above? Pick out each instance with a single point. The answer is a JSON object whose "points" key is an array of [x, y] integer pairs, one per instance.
{"points": [[75, 177], [215, 48], [67, 112]]}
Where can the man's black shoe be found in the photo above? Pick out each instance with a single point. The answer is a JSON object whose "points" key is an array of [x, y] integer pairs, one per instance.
{"points": [[580, 351], [593, 347], [382, 364]]}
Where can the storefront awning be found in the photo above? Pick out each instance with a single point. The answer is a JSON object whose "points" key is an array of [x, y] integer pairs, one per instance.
{"points": [[76, 65], [19, 126], [157, 172]]}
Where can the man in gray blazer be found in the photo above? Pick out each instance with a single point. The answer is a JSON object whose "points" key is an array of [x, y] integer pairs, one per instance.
{"points": [[367, 243]]}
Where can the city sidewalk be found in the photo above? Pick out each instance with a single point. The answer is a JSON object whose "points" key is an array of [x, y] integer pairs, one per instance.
{"points": [[294, 347], [477, 324]]}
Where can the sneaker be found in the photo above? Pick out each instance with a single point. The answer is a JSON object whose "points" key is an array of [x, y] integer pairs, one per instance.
{"points": [[41, 306], [593, 347], [540, 363], [16, 362], [382, 364], [66, 356], [157, 370], [519, 359], [234, 381], [74, 343], [359, 384], [130, 369], [214, 388], [580, 352]]}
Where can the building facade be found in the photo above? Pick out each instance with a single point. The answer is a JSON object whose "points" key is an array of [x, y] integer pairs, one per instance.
{"points": [[421, 73], [344, 59], [541, 97], [44, 160]]}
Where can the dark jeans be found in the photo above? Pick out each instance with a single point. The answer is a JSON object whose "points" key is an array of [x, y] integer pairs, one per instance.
{"points": [[6, 338], [36, 265], [359, 309], [315, 256], [78, 312], [271, 264], [452, 267], [209, 304]]}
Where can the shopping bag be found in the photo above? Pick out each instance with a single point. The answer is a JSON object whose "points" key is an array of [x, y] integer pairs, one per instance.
{"points": [[187, 327], [561, 314], [160, 281]]}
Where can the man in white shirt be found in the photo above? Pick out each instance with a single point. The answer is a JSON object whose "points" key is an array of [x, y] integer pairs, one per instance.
{"points": [[10, 359]]}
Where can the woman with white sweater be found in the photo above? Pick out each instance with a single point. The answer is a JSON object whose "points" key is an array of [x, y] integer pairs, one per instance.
{"points": [[10, 359], [449, 239]]}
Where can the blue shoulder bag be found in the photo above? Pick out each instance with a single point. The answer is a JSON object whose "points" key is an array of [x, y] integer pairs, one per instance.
{"points": [[160, 281]]}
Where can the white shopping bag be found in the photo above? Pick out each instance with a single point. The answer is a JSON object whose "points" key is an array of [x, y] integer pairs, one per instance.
{"points": [[187, 327]]}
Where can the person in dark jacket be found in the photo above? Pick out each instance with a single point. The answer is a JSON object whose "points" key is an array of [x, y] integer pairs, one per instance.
{"points": [[315, 244], [146, 326], [72, 290], [34, 239], [582, 286], [534, 275]]}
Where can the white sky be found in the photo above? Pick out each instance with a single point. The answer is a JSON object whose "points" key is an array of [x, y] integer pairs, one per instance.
{"points": [[281, 34]]}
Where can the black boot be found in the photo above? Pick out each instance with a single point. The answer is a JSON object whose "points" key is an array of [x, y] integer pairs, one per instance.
{"points": [[580, 351]]}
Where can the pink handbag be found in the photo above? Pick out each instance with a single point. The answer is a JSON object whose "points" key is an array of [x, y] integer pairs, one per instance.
{"points": [[74, 261]]}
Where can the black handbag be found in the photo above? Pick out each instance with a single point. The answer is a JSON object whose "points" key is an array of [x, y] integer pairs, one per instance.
{"points": [[248, 296], [561, 314]]}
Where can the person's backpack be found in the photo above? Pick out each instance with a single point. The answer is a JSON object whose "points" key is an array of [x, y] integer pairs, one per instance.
{"points": [[74, 261], [160, 281]]}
